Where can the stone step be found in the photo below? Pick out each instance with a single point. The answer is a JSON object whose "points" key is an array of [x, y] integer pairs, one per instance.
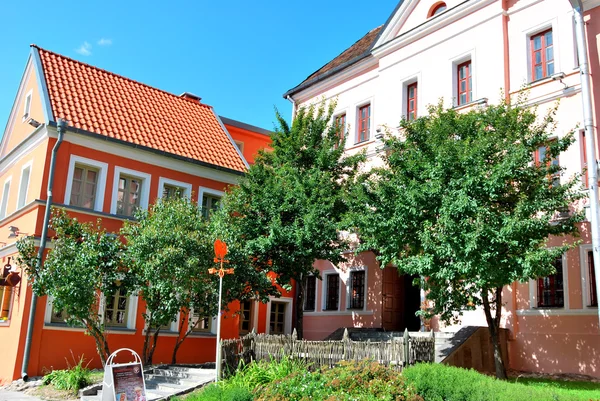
{"points": [[179, 373]]}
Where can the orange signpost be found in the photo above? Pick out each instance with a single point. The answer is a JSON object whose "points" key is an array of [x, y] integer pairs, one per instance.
{"points": [[220, 252]]}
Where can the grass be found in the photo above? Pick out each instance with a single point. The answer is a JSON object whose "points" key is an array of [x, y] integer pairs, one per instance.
{"points": [[584, 390]]}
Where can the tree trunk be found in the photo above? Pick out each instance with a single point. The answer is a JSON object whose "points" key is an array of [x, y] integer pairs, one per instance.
{"points": [[180, 340], [153, 346], [494, 329], [101, 343], [300, 309]]}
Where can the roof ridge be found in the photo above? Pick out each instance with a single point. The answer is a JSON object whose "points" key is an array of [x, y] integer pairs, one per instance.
{"points": [[119, 76]]}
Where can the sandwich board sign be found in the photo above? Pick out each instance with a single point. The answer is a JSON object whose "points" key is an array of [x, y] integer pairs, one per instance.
{"points": [[124, 381]]}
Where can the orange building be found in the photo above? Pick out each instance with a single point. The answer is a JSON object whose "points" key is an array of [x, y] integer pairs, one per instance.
{"points": [[121, 135]]}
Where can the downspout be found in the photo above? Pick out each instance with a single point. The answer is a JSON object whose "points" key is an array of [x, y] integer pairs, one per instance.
{"points": [[588, 121], [294, 107], [61, 128], [506, 51]]}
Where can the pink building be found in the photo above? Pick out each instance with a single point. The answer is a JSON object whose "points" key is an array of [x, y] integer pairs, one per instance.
{"points": [[467, 53]]}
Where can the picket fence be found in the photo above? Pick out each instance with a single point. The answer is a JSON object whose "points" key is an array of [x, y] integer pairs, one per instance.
{"points": [[396, 353]]}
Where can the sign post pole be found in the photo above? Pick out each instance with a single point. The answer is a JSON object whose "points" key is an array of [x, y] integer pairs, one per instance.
{"points": [[220, 252]]}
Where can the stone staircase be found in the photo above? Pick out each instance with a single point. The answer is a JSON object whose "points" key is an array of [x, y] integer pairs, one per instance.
{"points": [[164, 382]]}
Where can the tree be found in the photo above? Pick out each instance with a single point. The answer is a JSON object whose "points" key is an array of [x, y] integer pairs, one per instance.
{"points": [[462, 202], [170, 249], [288, 208], [84, 265]]}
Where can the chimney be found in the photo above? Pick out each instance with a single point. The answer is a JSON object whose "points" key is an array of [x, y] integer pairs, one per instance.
{"points": [[190, 96]]}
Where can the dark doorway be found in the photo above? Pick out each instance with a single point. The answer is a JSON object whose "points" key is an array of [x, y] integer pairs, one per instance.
{"points": [[401, 299]]}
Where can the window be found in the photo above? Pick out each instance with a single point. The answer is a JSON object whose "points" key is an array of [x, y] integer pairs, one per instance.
{"points": [[27, 106], [465, 83], [240, 146], [6, 292], [542, 55], [23, 186], [4, 203], [115, 313], [364, 123], [128, 196], [436, 9], [201, 323], [550, 288], [84, 186], [411, 101], [332, 296], [340, 126], [277, 321], [58, 316], [170, 189], [310, 292], [357, 289], [245, 317], [592, 291], [541, 157], [210, 203]]}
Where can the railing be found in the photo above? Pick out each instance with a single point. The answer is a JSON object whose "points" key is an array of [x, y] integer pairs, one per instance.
{"points": [[398, 352]]}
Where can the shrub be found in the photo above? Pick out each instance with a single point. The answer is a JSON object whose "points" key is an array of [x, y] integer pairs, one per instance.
{"points": [[364, 380], [72, 379], [436, 382]]}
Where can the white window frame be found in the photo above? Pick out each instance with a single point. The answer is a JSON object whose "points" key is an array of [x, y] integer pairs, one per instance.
{"points": [[585, 276], [455, 62], [287, 327], [339, 113], [131, 313], [533, 289], [162, 181], [349, 288], [22, 197], [27, 105], [144, 193], [101, 184], [208, 191], [5, 198], [173, 327], [372, 132], [532, 31], [411, 79], [324, 274], [213, 325]]}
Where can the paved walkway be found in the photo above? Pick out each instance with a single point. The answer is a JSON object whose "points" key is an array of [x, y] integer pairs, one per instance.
{"points": [[6, 395]]}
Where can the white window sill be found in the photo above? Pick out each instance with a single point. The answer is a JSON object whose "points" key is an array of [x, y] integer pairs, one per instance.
{"points": [[557, 312], [351, 312]]}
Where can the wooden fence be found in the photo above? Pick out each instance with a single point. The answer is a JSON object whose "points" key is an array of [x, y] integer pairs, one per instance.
{"points": [[397, 352]]}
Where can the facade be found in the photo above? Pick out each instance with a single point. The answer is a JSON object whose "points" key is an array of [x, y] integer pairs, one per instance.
{"points": [[468, 54], [126, 145]]}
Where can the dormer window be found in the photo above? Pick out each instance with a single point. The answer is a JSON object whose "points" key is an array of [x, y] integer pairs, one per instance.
{"points": [[436, 9], [27, 106]]}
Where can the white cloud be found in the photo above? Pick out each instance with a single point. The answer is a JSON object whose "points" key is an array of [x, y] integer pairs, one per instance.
{"points": [[105, 42], [85, 49]]}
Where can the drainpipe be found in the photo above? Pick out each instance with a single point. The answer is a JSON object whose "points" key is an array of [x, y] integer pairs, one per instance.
{"points": [[294, 107], [61, 127], [590, 138], [506, 51]]}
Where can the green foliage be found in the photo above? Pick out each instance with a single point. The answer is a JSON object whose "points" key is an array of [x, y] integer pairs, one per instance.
{"points": [[85, 262], [461, 202], [215, 392], [436, 382], [73, 378], [364, 380], [287, 210]]}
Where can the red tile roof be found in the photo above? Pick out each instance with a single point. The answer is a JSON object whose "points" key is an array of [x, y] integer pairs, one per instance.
{"points": [[101, 102], [351, 55]]}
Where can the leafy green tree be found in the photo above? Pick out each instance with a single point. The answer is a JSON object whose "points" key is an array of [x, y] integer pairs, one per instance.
{"points": [[84, 265], [287, 210], [170, 249], [462, 202]]}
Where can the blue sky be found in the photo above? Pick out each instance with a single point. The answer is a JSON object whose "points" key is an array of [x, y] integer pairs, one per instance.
{"points": [[239, 56]]}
